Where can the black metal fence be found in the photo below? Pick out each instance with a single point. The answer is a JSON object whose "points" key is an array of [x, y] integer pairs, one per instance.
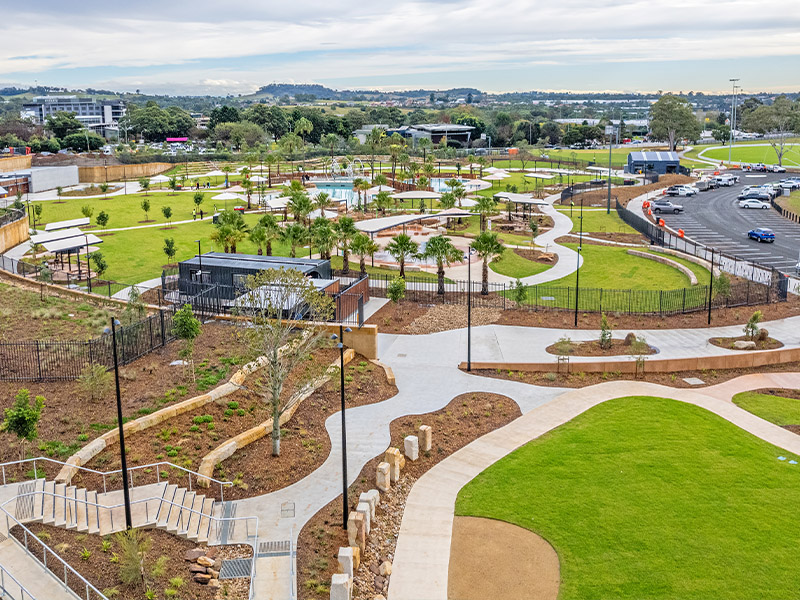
{"points": [[784, 212], [63, 360], [729, 263], [9, 215]]}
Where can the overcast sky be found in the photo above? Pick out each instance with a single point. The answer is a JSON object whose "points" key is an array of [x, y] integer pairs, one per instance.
{"points": [[236, 46]]}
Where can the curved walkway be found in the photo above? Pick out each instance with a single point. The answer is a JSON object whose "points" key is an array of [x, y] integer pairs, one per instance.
{"points": [[422, 555]]}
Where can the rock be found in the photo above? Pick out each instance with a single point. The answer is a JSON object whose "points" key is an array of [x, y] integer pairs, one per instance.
{"points": [[374, 569], [629, 339], [205, 561], [379, 581], [193, 555], [425, 436], [214, 583], [365, 509], [378, 597], [212, 552], [382, 478], [356, 557], [356, 533], [744, 345], [214, 574], [763, 335], [218, 564], [393, 456], [202, 578], [369, 498], [386, 568], [341, 587], [178, 363], [197, 569], [411, 446], [345, 559]]}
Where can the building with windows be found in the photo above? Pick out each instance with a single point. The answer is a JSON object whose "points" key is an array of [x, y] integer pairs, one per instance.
{"points": [[101, 116], [655, 162]]}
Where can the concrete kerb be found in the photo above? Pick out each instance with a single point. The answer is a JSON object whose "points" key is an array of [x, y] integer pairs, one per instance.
{"points": [[386, 369], [667, 261], [230, 446]]}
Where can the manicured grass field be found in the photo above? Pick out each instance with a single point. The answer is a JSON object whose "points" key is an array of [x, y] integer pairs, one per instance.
{"points": [[651, 498], [752, 153], [512, 264], [610, 267], [598, 221], [775, 409], [701, 273], [792, 202]]}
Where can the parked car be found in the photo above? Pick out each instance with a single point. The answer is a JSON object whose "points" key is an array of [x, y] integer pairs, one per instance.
{"points": [[789, 184], [660, 206], [753, 203], [776, 169], [755, 195], [681, 190], [761, 234], [726, 180]]}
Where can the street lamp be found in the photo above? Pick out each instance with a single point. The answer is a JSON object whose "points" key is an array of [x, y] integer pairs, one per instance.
{"points": [[733, 119], [340, 345], [125, 491], [88, 264], [468, 256], [578, 270]]}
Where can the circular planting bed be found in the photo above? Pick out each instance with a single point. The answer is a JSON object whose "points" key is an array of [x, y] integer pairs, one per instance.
{"points": [[767, 343]]}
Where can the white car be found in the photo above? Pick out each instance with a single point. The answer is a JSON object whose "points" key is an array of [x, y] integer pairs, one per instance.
{"points": [[727, 180], [776, 169], [753, 203]]}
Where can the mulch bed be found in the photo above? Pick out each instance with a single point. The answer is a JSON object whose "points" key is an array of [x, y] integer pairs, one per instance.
{"points": [[413, 318], [464, 419], [69, 420], [305, 443], [546, 258], [727, 342], [593, 348], [104, 575], [633, 239], [579, 379], [782, 392]]}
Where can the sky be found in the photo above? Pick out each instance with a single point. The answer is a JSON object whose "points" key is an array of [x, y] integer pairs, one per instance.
{"points": [[234, 47]]}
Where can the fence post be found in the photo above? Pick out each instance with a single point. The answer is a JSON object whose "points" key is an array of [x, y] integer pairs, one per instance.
{"points": [[109, 289], [661, 302], [38, 359], [163, 332], [683, 308]]}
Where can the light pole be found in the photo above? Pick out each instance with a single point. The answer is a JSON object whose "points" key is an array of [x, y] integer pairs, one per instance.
{"points": [[711, 286], [88, 264], [125, 491], [340, 345], [200, 260], [578, 270], [733, 119], [468, 256], [610, 132]]}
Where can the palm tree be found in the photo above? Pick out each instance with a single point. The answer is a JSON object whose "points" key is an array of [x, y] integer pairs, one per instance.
{"points": [[322, 201], [428, 170], [363, 246], [273, 158], [484, 207], [380, 179], [395, 148], [331, 141], [425, 144], [345, 232], [363, 186], [382, 200], [272, 231], [402, 247], [234, 223], [300, 205], [374, 141], [488, 247], [442, 250], [291, 143], [248, 189], [303, 127], [258, 235], [221, 237], [294, 235], [227, 169], [323, 236], [458, 190]]}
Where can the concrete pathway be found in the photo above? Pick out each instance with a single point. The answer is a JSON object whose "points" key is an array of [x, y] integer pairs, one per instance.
{"points": [[124, 293], [29, 574], [422, 555]]}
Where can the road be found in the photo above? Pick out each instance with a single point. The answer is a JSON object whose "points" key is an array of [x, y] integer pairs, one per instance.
{"points": [[714, 218]]}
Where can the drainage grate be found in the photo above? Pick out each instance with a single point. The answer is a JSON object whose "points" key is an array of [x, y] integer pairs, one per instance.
{"points": [[2, 538], [283, 548], [237, 567], [287, 510]]}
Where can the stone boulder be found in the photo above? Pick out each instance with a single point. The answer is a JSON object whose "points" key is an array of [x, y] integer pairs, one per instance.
{"points": [[630, 339], [744, 345]]}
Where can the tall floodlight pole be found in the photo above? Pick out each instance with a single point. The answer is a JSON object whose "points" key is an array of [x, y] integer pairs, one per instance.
{"points": [[125, 492], [733, 119], [610, 133], [578, 270]]}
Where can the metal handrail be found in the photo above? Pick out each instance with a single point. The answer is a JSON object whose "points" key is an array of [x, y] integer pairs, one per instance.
{"points": [[24, 593], [104, 474]]}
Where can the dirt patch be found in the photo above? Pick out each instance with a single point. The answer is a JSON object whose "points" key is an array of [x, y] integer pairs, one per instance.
{"points": [[629, 192], [413, 318], [480, 543], [782, 392], [578, 379], [546, 258], [632, 239], [728, 342], [305, 443], [92, 190], [163, 562], [593, 348], [464, 419]]}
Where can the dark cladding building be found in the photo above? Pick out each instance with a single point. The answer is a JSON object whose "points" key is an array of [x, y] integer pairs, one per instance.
{"points": [[232, 269], [655, 162]]}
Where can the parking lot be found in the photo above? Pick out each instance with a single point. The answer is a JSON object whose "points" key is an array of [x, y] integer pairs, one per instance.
{"points": [[714, 218]]}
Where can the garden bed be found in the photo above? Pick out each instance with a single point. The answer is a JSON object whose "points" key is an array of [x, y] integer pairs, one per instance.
{"points": [[632, 239], [305, 443], [464, 419], [593, 348], [165, 567], [537, 256], [728, 343]]}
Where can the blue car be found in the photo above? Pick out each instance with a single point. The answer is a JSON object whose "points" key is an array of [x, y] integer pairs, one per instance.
{"points": [[761, 234]]}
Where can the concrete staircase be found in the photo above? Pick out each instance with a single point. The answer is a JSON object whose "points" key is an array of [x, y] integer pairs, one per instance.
{"points": [[165, 506]]}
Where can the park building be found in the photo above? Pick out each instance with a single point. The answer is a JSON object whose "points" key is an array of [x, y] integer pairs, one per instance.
{"points": [[100, 116], [661, 163], [456, 135]]}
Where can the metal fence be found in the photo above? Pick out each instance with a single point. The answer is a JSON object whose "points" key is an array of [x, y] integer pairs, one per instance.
{"points": [[739, 267], [784, 212], [10, 215]]}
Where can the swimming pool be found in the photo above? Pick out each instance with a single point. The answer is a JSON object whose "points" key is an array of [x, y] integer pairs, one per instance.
{"points": [[342, 190]]}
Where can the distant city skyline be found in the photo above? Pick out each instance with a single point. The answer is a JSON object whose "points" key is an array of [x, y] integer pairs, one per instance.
{"points": [[571, 45]]}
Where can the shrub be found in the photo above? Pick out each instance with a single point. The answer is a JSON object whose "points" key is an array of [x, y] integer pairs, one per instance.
{"points": [[186, 327], [751, 328], [722, 285], [564, 346], [134, 547], [605, 332], [85, 554], [396, 290], [160, 568], [763, 335], [94, 382], [519, 293], [22, 418]]}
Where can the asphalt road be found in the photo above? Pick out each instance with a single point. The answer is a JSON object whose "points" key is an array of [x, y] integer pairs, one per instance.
{"points": [[714, 218]]}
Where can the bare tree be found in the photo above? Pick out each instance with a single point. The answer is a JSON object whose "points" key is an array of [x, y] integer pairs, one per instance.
{"points": [[778, 120]]}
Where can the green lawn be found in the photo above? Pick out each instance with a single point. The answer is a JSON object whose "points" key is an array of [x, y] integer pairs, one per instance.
{"points": [[513, 265], [775, 409], [701, 273], [598, 221], [751, 153], [610, 267], [792, 202], [651, 498], [473, 229]]}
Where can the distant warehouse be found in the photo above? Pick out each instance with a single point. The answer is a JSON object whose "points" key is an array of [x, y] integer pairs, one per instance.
{"points": [[655, 162]]}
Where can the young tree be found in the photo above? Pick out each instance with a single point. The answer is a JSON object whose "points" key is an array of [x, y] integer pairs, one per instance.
{"points": [[135, 309], [402, 248], [167, 212], [144, 183], [671, 119], [37, 212], [104, 188], [363, 246], [87, 211], [198, 199], [186, 327], [133, 549], [100, 264], [59, 192], [780, 119], [488, 247], [170, 249], [172, 184], [485, 207], [102, 219], [751, 328], [146, 208], [345, 231], [396, 290], [519, 293], [605, 332], [533, 225], [441, 250], [22, 419], [285, 312], [94, 381]]}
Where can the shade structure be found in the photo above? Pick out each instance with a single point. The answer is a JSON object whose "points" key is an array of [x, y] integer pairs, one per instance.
{"points": [[417, 195], [82, 222], [3, 191], [275, 203], [159, 179], [258, 179], [379, 188], [540, 175], [51, 236], [214, 174], [453, 213], [72, 243], [496, 177], [226, 196], [382, 223], [329, 214], [519, 198]]}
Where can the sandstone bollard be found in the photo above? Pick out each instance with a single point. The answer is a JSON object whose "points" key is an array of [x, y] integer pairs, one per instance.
{"points": [[393, 456], [356, 557], [374, 497], [356, 535], [383, 481], [425, 438], [369, 499], [341, 587], [365, 509], [346, 561], [411, 445]]}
